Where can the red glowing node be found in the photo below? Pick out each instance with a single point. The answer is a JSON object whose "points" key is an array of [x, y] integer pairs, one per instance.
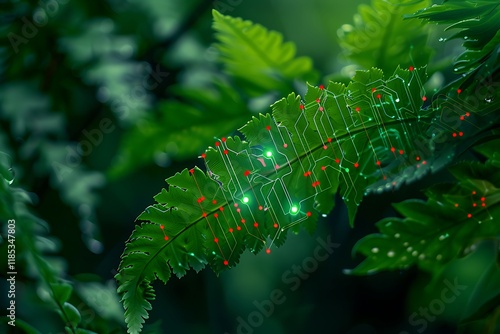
{"points": [[411, 68], [378, 163], [469, 215], [162, 227], [484, 204], [456, 205], [255, 224], [302, 107], [462, 118], [243, 221], [285, 145], [379, 96], [401, 152], [191, 171], [356, 165], [268, 128], [216, 215], [268, 251], [424, 162], [247, 172], [223, 139], [393, 149], [358, 109], [317, 100], [483, 199], [374, 90], [216, 240], [235, 205], [467, 114], [460, 133], [325, 147], [454, 134], [204, 214], [329, 140], [217, 143], [226, 262], [337, 160], [320, 108], [238, 228], [473, 192], [275, 225], [308, 213], [277, 166], [424, 98], [238, 210], [214, 202], [226, 151], [260, 207], [221, 208], [203, 155], [166, 238], [474, 204], [230, 230], [459, 91], [323, 168], [199, 200], [321, 87]]}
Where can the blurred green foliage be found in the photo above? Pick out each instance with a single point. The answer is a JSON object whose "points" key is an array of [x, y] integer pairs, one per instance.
{"points": [[99, 102]]}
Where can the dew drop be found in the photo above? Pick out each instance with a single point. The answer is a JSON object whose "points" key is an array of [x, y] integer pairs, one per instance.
{"points": [[421, 257], [415, 253], [397, 235], [390, 254], [375, 250], [439, 257]]}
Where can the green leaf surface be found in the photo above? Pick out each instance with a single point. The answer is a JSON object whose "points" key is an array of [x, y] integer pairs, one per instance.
{"points": [[381, 37], [258, 57], [454, 217]]}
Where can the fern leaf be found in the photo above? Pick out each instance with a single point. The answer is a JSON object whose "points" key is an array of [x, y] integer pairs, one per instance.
{"points": [[454, 217], [479, 26], [286, 171], [258, 57], [380, 36]]}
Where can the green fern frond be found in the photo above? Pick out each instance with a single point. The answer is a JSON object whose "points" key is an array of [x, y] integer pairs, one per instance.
{"points": [[479, 26], [381, 37], [340, 139], [258, 57], [454, 217]]}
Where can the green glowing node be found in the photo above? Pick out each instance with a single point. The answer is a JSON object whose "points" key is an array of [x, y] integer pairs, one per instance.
{"points": [[269, 154], [347, 170], [246, 199], [294, 209]]}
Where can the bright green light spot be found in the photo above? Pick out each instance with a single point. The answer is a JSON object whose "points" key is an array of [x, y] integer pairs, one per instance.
{"points": [[347, 170], [269, 154], [294, 209], [246, 199]]}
